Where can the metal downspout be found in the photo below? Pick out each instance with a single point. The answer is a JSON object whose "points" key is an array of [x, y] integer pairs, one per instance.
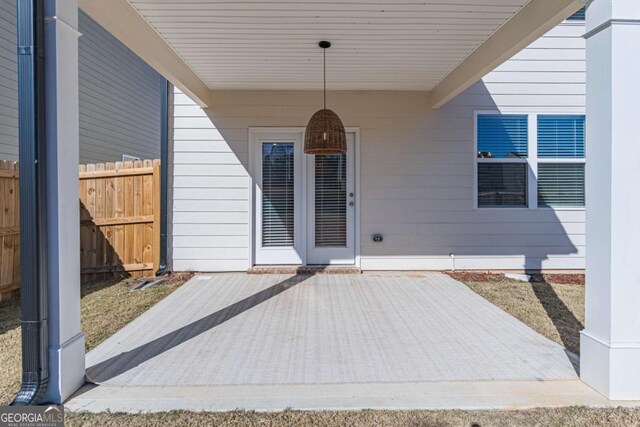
{"points": [[164, 172], [33, 244]]}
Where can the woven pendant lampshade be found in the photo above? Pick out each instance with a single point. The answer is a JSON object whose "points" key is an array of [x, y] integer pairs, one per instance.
{"points": [[325, 132]]}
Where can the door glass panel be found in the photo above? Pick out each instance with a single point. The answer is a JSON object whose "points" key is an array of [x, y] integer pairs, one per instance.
{"points": [[330, 200], [277, 195]]}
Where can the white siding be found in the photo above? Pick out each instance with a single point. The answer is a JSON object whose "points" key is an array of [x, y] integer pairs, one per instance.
{"points": [[416, 170], [210, 192], [8, 82], [120, 95], [120, 98]]}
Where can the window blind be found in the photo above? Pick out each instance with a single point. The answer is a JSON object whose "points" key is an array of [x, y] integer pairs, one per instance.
{"points": [[277, 195], [561, 184], [331, 200], [561, 136], [580, 15], [502, 135], [502, 184]]}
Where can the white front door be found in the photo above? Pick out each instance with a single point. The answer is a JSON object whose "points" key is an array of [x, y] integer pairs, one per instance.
{"points": [[331, 207], [304, 205]]}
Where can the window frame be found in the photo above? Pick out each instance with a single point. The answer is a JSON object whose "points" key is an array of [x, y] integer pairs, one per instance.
{"points": [[532, 160]]}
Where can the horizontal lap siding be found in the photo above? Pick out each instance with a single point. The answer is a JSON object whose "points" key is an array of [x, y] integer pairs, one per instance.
{"points": [[120, 98], [119, 95], [210, 193], [426, 223], [416, 170], [8, 82]]}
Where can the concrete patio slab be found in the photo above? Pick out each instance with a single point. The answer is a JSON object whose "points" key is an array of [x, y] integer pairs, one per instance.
{"points": [[382, 396], [237, 329]]}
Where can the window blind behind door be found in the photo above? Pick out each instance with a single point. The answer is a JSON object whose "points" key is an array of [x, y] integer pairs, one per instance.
{"points": [[331, 200], [277, 194]]}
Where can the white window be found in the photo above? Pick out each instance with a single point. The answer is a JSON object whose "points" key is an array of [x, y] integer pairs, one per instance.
{"points": [[561, 160], [129, 158], [502, 171], [529, 161]]}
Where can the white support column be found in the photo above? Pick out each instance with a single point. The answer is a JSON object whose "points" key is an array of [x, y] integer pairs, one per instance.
{"points": [[610, 343], [66, 341]]}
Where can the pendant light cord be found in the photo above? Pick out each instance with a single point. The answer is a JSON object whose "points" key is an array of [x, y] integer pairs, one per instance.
{"points": [[324, 60]]}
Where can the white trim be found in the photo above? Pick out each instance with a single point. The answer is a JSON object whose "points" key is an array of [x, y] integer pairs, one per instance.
{"points": [[124, 22], [69, 357], [252, 194], [129, 158], [532, 158], [251, 210], [332, 255], [356, 132], [612, 344], [290, 255], [474, 160], [502, 160], [526, 26], [560, 160], [610, 23], [62, 24], [477, 160]]}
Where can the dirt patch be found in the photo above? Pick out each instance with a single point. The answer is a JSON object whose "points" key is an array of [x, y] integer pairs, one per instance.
{"points": [[490, 276], [559, 278]]}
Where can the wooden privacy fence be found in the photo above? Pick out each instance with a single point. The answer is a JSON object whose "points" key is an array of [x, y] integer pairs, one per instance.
{"points": [[119, 221], [9, 229]]}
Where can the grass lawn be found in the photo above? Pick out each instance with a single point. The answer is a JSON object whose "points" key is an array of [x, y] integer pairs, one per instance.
{"points": [[555, 311], [106, 307], [583, 417]]}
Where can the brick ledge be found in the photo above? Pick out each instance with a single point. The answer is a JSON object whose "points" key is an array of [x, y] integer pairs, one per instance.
{"points": [[305, 270]]}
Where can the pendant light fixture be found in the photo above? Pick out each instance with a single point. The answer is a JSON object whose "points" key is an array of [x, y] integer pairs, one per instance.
{"points": [[325, 133]]}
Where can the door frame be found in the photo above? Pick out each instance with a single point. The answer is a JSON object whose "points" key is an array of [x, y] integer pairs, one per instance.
{"points": [[332, 253], [253, 132]]}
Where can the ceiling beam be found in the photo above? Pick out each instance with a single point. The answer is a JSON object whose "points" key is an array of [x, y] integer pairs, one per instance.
{"points": [[125, 23], [526, 26]]}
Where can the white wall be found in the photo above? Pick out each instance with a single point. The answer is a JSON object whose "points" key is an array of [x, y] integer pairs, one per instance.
{"points": [[120, 95], [416, 170]]}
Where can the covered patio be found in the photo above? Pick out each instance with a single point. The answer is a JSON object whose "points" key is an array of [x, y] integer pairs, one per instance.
{"points": [[229, 331], [302, 336]]}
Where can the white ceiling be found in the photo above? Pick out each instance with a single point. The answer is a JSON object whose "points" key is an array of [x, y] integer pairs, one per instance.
{"points": [[380, 45]]}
